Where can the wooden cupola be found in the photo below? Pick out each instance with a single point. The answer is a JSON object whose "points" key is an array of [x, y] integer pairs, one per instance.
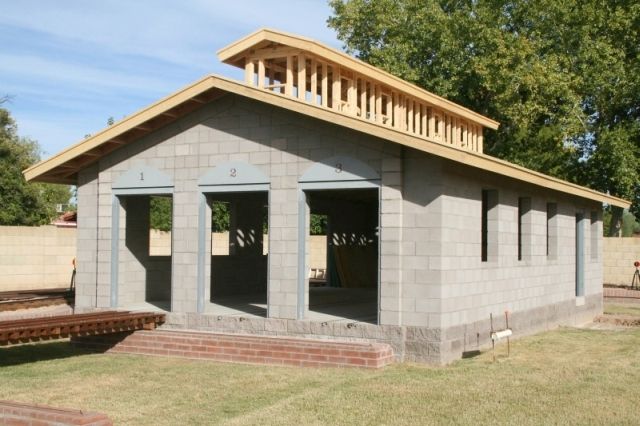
{"points": [[301, 68]]}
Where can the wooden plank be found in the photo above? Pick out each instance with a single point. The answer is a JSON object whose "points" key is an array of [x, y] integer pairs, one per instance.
{"points": [[261, 73], [352, 96], [325, 85], [409, 115], [389, 117], [273, 52], [396, 110], [447, 129], [455, 132], [423, 119], [288, 88], [416, 118], [481, 140], [249, 73], [314, 81], [336, 87], [362, 87], [271, 76], [465, 136], [372, 101], [378, 95], [475, 137], [302, 77], [432, 123]]}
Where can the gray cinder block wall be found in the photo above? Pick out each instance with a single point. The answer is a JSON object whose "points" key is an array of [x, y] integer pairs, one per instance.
{"points": [[436, 294]]}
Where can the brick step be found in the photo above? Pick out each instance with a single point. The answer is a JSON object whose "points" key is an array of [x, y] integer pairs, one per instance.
{"points": [[243, 348]]}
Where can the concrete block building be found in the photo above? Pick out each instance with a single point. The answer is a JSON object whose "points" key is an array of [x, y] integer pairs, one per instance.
{"points": [[426, 235]]}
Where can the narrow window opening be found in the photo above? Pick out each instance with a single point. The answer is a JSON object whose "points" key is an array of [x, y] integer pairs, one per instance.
{"points": [[485, 220], [489, 225], [579, 255], [595, 236], [524, 228], [552, 231]]}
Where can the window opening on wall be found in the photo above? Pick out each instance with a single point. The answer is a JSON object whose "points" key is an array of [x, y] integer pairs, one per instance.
{"points": [[489, 225], [220, 217], [552, 231], [595, 236], [579, 233], [318, 261], [524, 228], [160, 218]]}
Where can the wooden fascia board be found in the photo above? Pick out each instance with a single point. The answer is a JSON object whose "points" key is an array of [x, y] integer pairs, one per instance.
{"points": [[469, 158], [332, 55], [112, 132]]}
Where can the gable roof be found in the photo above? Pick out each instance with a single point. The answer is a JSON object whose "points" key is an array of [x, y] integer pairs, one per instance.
{"points": [[63, 167]]}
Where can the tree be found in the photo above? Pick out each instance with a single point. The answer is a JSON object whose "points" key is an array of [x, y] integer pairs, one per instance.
{"points": [[23, 203], [160, 215], [561, 77]]}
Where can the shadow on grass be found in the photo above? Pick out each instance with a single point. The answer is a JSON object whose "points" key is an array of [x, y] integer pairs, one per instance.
{"points": [[27, 353], [470, 354]]}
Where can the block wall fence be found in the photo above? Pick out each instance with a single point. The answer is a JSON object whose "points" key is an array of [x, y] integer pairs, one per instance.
{"points": [[40, 257], [36, 257], [619, 255]]}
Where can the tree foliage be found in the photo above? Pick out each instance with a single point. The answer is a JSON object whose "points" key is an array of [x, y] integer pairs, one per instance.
{"points": [[161, 212], [561, 77], [23, 203]]}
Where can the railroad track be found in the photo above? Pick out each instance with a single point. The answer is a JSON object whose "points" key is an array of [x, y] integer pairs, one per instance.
{"points": [[77, 325], [27, 299]]}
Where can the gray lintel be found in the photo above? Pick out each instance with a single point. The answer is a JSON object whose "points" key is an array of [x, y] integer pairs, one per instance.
{"points": [[234, 188], [233, 173], [340, 168], [142, 177]]}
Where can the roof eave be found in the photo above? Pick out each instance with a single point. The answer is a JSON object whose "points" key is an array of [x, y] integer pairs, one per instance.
{"points": [[41, 171]]}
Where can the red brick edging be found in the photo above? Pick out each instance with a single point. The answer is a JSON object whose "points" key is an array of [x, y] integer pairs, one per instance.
{"points": [[621, 293], [243, 348], [17, 413]]}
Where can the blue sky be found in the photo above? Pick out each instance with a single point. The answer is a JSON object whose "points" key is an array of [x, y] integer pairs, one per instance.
{"points": [[69, 65]]}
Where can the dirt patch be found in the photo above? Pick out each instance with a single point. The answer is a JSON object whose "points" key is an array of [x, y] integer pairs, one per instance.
{"points": [[619, 320]]}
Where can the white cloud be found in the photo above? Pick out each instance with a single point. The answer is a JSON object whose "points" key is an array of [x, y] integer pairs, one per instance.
{"points": [[73, 63], [186, 32], [91, 77]]}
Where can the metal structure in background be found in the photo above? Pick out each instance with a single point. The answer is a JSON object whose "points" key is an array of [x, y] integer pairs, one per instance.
{"points": [[635, 281]]}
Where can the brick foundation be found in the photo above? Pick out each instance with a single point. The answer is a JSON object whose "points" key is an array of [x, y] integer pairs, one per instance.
{"points": [[243, 348], [409, 343]]}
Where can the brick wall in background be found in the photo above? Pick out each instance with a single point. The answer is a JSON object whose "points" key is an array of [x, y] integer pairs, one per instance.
{"points": [[619, 255], [36, 257]]}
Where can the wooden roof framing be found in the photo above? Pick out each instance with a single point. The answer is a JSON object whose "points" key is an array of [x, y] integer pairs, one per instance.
{"points": [[315, 73], [64, 166]]}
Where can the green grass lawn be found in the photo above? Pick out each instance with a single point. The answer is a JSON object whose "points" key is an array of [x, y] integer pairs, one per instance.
{"points": [[622, 309], [565, 376]]}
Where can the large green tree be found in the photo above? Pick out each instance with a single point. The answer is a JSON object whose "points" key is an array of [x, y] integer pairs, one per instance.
{"points": [[23, 203], [560, 76]]}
